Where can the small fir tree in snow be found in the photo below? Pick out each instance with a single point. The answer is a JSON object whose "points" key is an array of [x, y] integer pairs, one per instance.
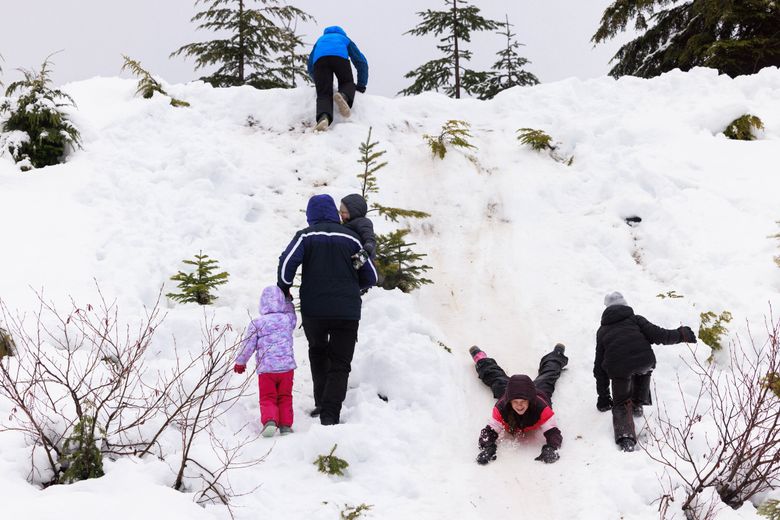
{"points": [[331, 464], [770, 509], [391, 251], [81, 459], [7, 345], [541, 141], [453, 133], [398, 262], [744, 128], [777, 258], [250, 42], [354, 512], [41, 132], [712, 329], [147, 85], [196, 287], [734, 37], [506, 73], [448, 72]]}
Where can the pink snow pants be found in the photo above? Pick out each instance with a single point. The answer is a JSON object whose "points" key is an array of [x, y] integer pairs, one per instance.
{"points": [[276, 397]]}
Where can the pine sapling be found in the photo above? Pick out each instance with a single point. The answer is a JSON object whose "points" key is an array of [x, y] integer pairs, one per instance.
{"points": [[744, 128], [196, 287], [777, 236], [147, 85], [669, 294], [7, 345], [397, 263], [331, 464], [354, 512], [540, 141], [770, 509], [81, 459], [369, 156], [454, 133], [712, 329], [771, 381]]}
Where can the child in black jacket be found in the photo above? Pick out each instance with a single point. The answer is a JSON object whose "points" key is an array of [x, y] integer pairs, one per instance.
{"points": [[353, 211], [625, 359]]}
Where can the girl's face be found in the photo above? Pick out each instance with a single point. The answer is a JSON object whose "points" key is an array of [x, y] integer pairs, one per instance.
{"points": [[344, 212], [520, 406]]}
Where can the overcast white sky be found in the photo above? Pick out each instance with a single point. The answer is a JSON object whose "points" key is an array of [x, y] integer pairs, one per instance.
{"points": [[94, 33]]}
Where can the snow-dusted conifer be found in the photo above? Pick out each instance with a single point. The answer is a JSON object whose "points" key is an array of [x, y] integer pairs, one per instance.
{"points": [[249, 42], [40, 133], [147, 84], [735, 37], [448, 72], [196, 287], [506, 73]]}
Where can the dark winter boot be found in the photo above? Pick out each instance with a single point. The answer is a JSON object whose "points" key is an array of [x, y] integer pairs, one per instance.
{"points": [[637, 410], [559, 349], [626, 444], [316, 411], [476, 353]]}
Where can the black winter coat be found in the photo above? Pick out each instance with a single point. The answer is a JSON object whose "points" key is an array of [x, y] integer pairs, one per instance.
{"points": [[623, 345]]}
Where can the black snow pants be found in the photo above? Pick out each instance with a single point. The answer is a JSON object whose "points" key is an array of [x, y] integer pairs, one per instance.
{"points": [[550, 368], [628, 392], [324, 70], [331, 347]]}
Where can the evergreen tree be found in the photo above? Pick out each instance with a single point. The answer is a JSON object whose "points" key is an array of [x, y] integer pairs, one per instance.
{"points": [[196, 287], [292, 65], [251, 43], [45, 133], [456, 25], [506, 73], [81, 459], [735, 37], [395, 260]]}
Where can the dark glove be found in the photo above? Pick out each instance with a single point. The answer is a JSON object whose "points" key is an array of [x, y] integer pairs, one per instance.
{"points": [[604, 403], [487, 437], [487, 454], [359, 258], [239, 369], [361, 88], [548, 455], [687, 335]]}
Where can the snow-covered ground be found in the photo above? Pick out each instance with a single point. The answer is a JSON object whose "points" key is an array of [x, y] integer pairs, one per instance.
{"points": [[523, 250]]}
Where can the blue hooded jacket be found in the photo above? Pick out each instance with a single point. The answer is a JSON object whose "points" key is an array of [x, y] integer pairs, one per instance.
{"points": [[334, 42]]}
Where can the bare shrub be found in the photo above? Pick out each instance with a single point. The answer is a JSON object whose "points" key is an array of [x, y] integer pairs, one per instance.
{"points": [[728, 439]]}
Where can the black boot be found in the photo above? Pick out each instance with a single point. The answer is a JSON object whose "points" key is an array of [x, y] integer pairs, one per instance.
{"points": [[316, 411], [626, 444]]}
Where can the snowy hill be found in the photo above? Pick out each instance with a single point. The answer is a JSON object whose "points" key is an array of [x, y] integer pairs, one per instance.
{"points": [[523, 249]]}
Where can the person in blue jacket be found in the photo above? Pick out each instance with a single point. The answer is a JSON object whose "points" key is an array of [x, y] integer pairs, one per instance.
{"points": [[330, 56]]}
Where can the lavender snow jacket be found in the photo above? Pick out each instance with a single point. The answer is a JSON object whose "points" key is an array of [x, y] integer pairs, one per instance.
{"points": [[270, 335]]}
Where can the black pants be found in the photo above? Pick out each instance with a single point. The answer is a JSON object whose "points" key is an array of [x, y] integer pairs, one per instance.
{"points": [[331, 346], [324, 70], [626, 393], [550, 368]]}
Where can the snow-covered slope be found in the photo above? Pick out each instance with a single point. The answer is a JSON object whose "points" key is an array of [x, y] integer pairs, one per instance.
{"points": [[523, 250]]}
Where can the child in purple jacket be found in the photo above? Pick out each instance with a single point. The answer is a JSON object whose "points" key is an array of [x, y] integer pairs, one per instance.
{"points": [[270, 338]]}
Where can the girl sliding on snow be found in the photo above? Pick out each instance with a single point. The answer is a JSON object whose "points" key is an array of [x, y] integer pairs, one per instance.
{"points": [[523, 405]]}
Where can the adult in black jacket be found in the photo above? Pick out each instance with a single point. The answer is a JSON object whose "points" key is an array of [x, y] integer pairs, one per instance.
{"points": [[330, 299], [625, 358]]}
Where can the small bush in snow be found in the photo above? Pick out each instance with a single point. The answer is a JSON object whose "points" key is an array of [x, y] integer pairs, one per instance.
{"points": [[147, 85], [770, 509], [540, 141], [354, 512], [331, 464], [772, 382], [744, 128], [453, 133], [196, 287], [712, 328], [81, 458], [41, 133], [669, 294]]}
